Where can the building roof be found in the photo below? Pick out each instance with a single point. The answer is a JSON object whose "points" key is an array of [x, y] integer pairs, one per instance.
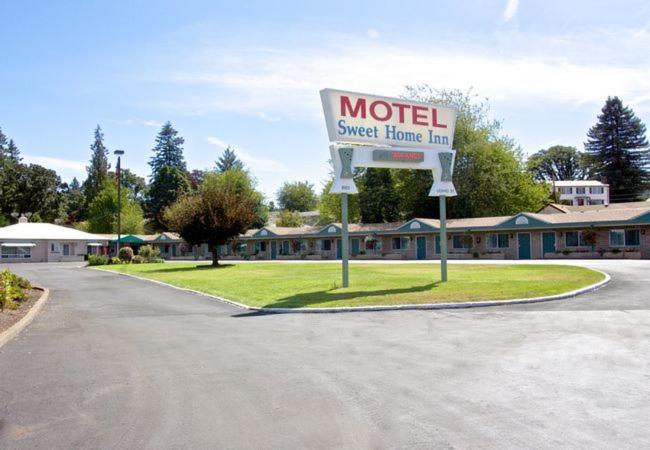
{"points": [[584, 208], [572, 183], [32, 231]]}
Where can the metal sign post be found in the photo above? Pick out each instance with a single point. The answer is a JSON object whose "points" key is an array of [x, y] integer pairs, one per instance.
{"points": [[443, 238], [344, 239]]}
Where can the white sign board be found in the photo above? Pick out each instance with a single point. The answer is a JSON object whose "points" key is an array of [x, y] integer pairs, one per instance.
{"points": [[371, 131], [367, 119]]}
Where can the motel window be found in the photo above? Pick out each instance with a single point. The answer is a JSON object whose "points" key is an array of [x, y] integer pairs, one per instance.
{"points": [[400, 243], [622, 238], [499, 240], [16, 252], [574, 239], [326, 245], [462, 241], [597, 190], [580, 190]]}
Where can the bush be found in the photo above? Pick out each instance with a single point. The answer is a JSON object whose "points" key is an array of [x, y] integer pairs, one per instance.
{"points": [[137, 259], [125, 254], [12, 289], [97, 260], [149, 253], [157, 261], [115, 260]]}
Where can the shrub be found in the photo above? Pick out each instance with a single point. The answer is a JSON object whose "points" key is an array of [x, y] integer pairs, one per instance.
{"points": [[566, 252], [97, 260], [12, 289], [115, 260], [149, 253], [137, 259], [157, 260], [125, 254], [616, 251]]}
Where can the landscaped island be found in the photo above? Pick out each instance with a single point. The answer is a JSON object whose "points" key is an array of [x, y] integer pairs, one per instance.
{"points": [[278, 285]]}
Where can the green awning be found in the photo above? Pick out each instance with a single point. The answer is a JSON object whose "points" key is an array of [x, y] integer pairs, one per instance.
{"points": [[129, 239]]}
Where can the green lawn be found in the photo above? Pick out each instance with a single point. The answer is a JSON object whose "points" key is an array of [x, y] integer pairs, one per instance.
{"points": [[318, 285]]}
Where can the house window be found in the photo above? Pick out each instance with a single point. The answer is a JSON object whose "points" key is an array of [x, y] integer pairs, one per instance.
{"points": [[462, 241], [574, 239], [580, 190], [327, 245], [622, 238], [500, 240], [597, 190], [16, 252], [54, 247], [400, 243]]}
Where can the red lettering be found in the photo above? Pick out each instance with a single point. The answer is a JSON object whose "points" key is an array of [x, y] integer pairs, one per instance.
{"points": [[373, 110], [400, 109], [434, 119], [417, 116], [359, 107]]}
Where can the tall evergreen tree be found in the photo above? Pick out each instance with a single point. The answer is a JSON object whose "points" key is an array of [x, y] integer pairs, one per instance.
{"points": [[378, 200], [98, 168], [3, 143], [618, 151], [228, 160], [12, 152], [168, 185], [168, 151]]}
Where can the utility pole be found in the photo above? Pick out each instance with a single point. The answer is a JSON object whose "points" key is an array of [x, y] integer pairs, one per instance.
{"points": [[118, 175]]}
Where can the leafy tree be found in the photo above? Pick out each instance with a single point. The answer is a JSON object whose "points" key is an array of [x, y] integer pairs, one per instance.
{"points": [[98, 168], [168, 151], [558, 163], [489, 175], [261, 214], [102, 212], [412, 188], [228, 160], [288, 218], [378, 200], [136, 184], [223, 208], [618, 151], [168, 185], [37, 192], [297, 196], [329, 206], [73, 199], [195, 177]]}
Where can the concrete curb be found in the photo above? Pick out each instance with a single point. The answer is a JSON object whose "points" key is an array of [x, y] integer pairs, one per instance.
{"points": [[19, 326], [477, 304]]}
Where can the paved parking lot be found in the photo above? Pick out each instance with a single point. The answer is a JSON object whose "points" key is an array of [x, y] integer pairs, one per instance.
{"points": [[114, 362]]}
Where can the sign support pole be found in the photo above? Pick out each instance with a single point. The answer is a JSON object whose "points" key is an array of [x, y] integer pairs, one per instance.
{"points": [[344, 239], [443, 238]]}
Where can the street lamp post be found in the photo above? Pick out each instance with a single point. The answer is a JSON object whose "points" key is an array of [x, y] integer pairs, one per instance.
{"points": [[118, 174]]}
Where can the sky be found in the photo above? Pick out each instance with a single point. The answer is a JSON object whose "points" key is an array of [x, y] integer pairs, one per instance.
{"points": [[247, 74]]}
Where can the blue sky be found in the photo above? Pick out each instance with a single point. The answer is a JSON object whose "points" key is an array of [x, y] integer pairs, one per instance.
{"points": [[248, 73]]}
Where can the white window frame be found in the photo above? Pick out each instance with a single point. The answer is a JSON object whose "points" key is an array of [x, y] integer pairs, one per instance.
{"points": [[616, 230], [496, 235], [26, 253], [625, 243], [581, 190]]}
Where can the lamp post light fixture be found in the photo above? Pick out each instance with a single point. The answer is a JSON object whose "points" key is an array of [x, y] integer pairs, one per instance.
{"points": [[118, 175]]}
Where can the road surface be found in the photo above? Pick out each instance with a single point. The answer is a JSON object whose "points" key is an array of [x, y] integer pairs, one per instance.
{"points": [[114, 362]]}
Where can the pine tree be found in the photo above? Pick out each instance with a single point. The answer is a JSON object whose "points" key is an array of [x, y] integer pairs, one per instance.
{"points": [[98, 168], [618, 151], [3, 143], [168, 151], [378, 200], [12, 152], [168, 185], [228, 160]]}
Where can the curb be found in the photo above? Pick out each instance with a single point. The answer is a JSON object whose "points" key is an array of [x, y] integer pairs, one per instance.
{"points": [[476, 304], [19, 326]]}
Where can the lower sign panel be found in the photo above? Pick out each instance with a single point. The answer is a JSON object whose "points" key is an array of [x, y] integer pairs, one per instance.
{"points": [[397, 156]]}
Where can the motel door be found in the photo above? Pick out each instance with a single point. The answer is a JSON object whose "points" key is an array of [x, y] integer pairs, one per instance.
{"points": [[421, 247], [524, 245], [548, 242], [339, 250], [274, 250]]}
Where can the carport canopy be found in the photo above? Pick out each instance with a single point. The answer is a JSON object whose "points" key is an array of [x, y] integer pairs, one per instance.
{"points": [[18, 244]]}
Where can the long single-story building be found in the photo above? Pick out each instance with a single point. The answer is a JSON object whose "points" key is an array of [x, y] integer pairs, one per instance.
{"points": [[46, 242], [557, 231]]}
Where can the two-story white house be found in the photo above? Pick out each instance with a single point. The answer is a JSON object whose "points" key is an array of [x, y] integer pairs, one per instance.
{"points": [[582, 192]]}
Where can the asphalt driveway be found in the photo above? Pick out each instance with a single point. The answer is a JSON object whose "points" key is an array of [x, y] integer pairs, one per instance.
{"points": [[114, 362]]}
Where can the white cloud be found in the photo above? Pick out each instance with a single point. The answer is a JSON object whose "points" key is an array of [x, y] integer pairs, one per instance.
{"points": [[510, 11], [146, 123], [373, 34], [65, 168], [255, 163], [263, 116]]}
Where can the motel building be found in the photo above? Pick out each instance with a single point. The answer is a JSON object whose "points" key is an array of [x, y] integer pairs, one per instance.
{"points": [[45, 242], [620, 230]]}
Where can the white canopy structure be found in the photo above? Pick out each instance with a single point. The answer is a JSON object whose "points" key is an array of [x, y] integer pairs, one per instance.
{"points": [[45, 231]]}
